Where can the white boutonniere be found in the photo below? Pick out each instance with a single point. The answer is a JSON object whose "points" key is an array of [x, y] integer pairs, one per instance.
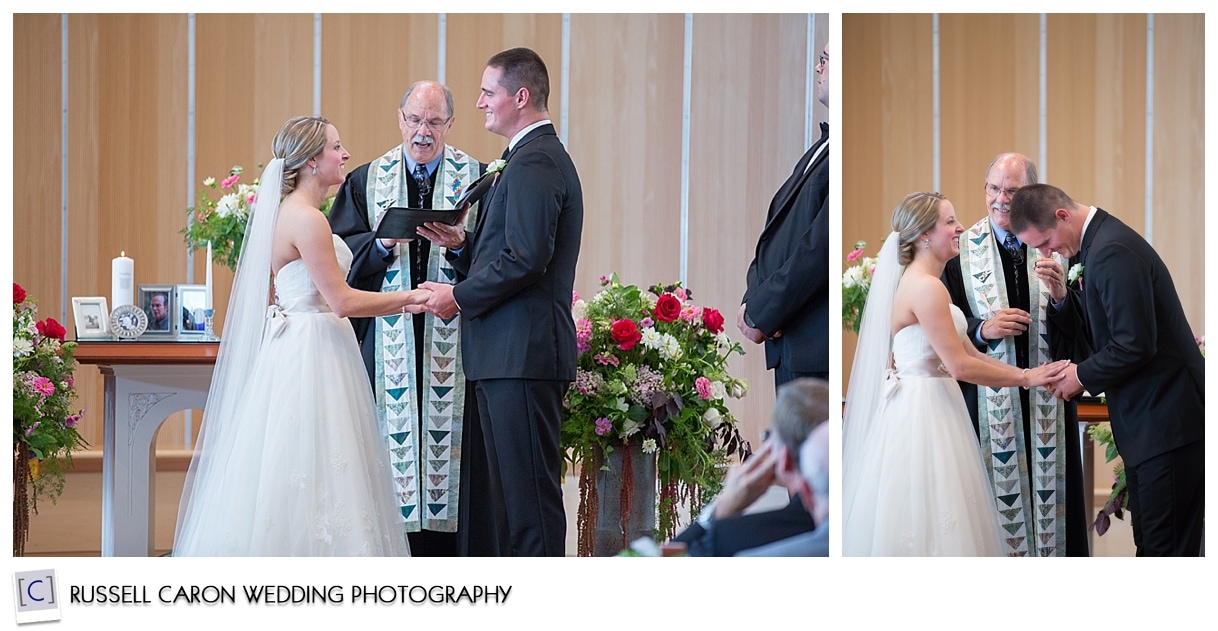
{"points": [[496, 166], [1075, 274]]}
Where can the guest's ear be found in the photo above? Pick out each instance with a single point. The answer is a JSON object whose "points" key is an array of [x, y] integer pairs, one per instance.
{"points": [[785, 466]]}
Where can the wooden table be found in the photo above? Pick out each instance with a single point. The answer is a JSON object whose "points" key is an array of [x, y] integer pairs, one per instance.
{"points": [[145, 382]]}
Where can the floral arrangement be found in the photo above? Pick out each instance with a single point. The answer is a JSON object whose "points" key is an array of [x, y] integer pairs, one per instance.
{"points": [[856, 282], [652, 375], [44, 425], [222, 221], [1118, 500]]}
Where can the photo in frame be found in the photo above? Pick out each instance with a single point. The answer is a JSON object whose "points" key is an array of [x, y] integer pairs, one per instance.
{"points": [[158, 302], [191, 302], [92, 317]]}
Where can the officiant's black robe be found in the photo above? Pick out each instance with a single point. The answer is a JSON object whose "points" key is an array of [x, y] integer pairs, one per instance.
{"points": [[1066, 333]]}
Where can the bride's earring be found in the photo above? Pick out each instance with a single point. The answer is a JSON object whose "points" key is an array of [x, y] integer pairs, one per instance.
{"points": [[925, 242], [314, 168]]}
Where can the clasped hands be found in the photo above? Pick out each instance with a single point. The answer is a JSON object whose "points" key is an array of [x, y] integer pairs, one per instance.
{"points": [[437, 298]]}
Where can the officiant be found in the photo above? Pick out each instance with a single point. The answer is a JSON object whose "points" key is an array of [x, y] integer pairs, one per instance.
{"points": [[428, 416]]}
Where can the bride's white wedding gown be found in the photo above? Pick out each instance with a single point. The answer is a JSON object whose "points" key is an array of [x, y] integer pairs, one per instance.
{"points": [[918, 486], [309, 474]]}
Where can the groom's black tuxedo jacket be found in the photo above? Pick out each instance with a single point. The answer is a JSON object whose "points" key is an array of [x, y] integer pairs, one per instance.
{"points": [[519, 267], [788, 280], [1146, 361]]}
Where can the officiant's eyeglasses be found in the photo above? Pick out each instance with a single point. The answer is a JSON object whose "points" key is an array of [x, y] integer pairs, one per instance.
{"points": [[435, 124], [994, 191]]}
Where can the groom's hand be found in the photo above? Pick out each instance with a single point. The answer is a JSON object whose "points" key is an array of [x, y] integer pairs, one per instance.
{"points": [[754, 335], [441, 302], [1068, 386]]}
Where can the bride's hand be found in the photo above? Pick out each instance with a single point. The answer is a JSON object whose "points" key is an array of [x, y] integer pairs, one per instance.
{"points": [[415, 299], [1045, 374]]}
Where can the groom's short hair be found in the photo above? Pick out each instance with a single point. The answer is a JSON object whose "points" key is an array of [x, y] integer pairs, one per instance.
{"points": [[800, 406], [523, 68], [1035, 207]]}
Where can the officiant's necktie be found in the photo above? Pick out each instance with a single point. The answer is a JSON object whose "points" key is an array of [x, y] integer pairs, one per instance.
{"points": [[420, 178], [1016, 257]]}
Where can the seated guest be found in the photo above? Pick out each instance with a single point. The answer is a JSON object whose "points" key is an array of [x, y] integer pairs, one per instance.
{"points": [[811, 482], [725, 528]]}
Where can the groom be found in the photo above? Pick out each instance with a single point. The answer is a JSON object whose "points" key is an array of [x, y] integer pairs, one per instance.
{"points": [[517, 334], [1145, 360]]}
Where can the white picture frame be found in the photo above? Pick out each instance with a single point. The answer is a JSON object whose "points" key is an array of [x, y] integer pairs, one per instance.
{"points": [[92, 317], [146, 296], [191, 301]]}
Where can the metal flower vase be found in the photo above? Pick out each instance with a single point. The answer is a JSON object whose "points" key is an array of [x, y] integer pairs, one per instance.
{"points": [[626, 498]]}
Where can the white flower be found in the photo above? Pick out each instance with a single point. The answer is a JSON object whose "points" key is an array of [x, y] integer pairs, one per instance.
{"points": [[712, 418], [228, 205], [739, 388], [718, 390], [649, 446], [653, 339], [722, 341], [621, 404], [579, 310], [630, 428], [1075, 273], [671, 348], [853, 277], [209, 181], [22, 347], [496, 166]]}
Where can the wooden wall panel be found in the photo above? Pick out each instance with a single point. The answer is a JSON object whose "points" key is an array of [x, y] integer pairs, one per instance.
{"points": [[368, 62], [887, 67], [1097, 111], [471, 40], [625, 140], [1179, 157], [989, 101], [741, 151]]}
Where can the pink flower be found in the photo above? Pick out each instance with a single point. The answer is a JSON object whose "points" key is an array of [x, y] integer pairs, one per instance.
{"points": [[71, 420], [689, 313], [230, 180], [603, 426], [606, 360], [574, 298], [854, 256], [646, 323], [31, 429], [583, 335], [43, 386], [679, 292], [704, 387]]}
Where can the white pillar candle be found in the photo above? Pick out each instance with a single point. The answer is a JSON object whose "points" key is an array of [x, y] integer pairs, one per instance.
{"points": [[122, 281], [207, 299]]}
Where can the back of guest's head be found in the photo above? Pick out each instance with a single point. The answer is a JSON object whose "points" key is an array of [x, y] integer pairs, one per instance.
{"points": [[814, 460], [296, 142], [1034, 207], [800, 406], [523, 68], [1029, 167], [916, 214], [448, 94]]}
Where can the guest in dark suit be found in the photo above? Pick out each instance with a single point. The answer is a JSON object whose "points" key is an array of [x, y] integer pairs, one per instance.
{"points": [[1012, 319], [724, 528], [444, 494], [786, 303], [812, 481], [517, 332], [1145, 361]]}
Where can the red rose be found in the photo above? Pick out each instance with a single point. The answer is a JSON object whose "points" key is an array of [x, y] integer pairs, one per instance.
{"points": [[18, 294], [668, 308], [626, 334], [713, 320], [51, 328]]}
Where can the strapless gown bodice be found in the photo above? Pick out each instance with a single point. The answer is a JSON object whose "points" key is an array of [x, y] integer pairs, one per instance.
{"points": [[295, 291], [912, 353]]}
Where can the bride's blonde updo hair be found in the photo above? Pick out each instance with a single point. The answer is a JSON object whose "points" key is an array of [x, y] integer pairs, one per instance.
{"points": [[300, 139], [916, 214]]}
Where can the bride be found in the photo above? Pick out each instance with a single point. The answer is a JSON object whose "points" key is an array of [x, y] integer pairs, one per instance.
{"points": [[290, 460], [913, 477]]}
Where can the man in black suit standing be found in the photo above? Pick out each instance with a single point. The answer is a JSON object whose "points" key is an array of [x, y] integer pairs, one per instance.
{"points": [[517, 335], [786, 302], [1145, 361], [1030, 440]]}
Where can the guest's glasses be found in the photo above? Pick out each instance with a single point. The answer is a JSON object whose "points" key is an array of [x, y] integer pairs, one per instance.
{"points": [[414, 122], [994, 191], [823, 59]]}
